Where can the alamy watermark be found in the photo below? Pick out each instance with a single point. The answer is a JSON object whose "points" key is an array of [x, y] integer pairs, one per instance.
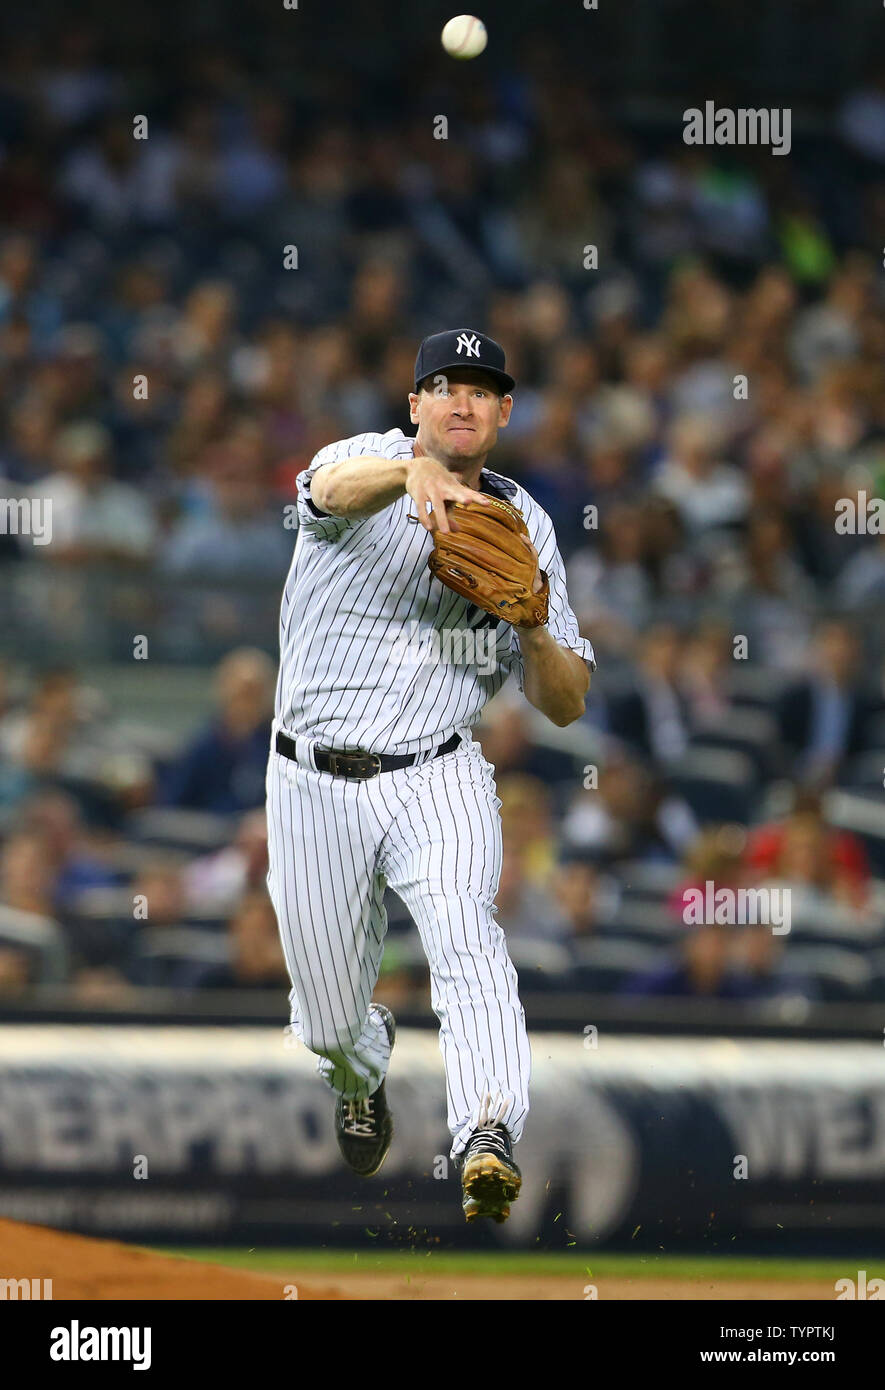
{"points": [[860, 516], [740, 126], [452, 646], [76, 1343], [737, 907], [27, 516], [18, 1289]]}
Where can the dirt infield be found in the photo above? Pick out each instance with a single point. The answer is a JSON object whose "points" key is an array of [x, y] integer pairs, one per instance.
{"points": [[87, 1269], [81, 1268], [546, 1288]]}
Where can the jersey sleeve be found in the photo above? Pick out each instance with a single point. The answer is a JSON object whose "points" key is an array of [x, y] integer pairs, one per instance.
{"points": [[562, 623], [310, 518]]}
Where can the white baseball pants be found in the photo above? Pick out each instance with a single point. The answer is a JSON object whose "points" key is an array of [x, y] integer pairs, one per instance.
{"points": [[433, 834]]}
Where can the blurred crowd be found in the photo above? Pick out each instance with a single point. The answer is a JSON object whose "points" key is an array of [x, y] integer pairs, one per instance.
{"points": [[124, 866], [185, 319]]}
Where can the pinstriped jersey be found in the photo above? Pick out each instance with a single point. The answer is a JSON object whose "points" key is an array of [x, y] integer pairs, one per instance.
{"points": [[375, 652]]}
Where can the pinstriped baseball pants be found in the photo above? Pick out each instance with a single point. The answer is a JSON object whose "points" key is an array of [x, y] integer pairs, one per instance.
{"points": [[433, 834]]}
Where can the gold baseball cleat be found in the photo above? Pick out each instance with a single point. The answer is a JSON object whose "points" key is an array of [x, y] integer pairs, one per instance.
{"points": [[490, 1180]]}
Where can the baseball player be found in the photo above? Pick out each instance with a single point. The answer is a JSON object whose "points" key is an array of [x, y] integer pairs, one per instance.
{"points": [[374, 779]]}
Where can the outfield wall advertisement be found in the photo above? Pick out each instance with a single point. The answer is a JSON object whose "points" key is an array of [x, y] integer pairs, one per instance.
{"points": [[225, 1135]]}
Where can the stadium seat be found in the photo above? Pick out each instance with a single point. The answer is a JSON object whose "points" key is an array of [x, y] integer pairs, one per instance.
{"points": [[841, 975], [209, 921], [875, 731], [758, 686], [647, 880], [750, 731], [40, 937], [876, 961], [863, 813], [864, 771], [650, 921], [876, 899], [100, 925], [165, 703], [602, 966], [160, 952], [718, 784], [816, 918], [541, 965], [103, 903], [175, 828]]}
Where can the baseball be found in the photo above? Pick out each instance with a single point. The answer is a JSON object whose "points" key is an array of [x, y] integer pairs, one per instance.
{"points": [[464, 36]]}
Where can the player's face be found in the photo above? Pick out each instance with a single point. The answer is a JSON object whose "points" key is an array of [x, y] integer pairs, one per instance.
{"points": [[458, 418]]}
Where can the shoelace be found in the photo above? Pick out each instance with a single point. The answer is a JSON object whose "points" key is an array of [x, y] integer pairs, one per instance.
{"points": [[489, 1140], [490, 1135], [359, 1118]]}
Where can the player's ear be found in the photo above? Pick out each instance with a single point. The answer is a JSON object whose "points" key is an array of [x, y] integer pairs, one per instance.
{"points": [[413, 407], [504, 409]]}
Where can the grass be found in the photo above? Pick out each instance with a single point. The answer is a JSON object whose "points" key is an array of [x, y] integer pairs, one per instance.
{"points": [[526, 1263]]}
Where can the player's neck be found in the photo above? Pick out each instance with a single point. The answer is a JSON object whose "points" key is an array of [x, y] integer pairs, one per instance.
{"points": [[468, 470]]}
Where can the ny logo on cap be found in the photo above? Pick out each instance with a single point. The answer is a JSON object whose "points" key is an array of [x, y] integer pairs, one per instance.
{"points": [[470, 345]]}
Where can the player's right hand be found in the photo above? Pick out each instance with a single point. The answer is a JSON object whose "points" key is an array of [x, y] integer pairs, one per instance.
{"points": [[431, 486]]}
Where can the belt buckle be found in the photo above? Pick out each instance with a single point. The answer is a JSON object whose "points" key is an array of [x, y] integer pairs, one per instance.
{"points": [[338, 759]]}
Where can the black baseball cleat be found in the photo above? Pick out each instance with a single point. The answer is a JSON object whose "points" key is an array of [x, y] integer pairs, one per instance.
{"points": [[364, 1128], [490, 1180]]}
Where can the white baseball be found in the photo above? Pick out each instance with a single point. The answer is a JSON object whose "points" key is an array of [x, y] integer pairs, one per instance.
{"points": [[464, 36]]}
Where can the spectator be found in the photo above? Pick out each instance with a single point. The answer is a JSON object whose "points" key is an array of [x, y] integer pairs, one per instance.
{"points": [[159, 905], [61, 733], [763, 959], [653, 717], [803, 849], [862, 117], [17, 970], [523, 908], [610, 586], [702, 967], [256, 955], [158, 893], [528, 826], [862, 581], [630, 816], [77, 864], [709, 493], [705, 677], [217, 881], [252, 169], [223, 768], [117, 181], [585, 897], [205, 333], [822, 718], [27, 876], [240, 536], [27, 455], [507, 743], [21, 297], [93, 517]]}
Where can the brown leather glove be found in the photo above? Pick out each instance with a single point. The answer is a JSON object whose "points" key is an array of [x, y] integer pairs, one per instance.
{"points": [[486, 562]]}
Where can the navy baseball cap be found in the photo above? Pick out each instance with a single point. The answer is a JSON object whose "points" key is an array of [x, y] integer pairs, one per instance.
{"points": [[461, 347]]}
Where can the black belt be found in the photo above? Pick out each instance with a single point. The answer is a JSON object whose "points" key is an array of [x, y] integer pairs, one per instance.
{"points": [[358, 763]]}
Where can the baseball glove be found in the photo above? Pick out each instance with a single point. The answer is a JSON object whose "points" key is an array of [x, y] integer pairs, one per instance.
{"points": [[486, 562]]}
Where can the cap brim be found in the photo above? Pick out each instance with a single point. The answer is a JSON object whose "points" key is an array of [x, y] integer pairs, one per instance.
{"points": [[501, 377]]}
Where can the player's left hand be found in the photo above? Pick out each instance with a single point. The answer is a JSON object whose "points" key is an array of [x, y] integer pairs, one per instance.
{"points": [[490, 560]]}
